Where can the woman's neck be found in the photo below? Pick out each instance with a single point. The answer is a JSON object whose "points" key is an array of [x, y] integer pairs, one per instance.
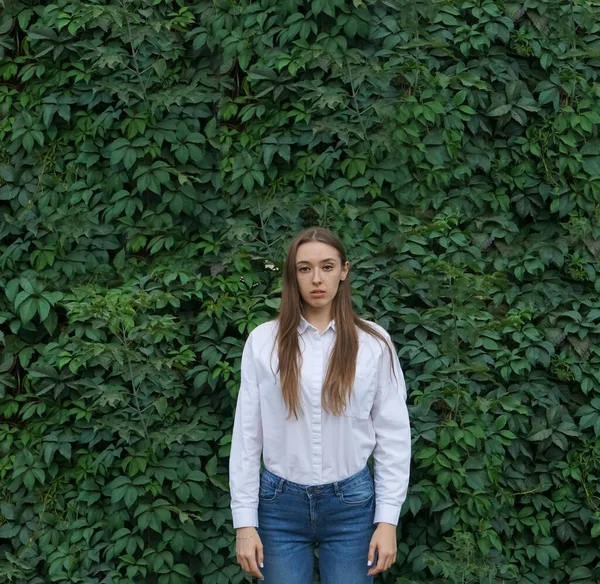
{"points": [[319, 319]]}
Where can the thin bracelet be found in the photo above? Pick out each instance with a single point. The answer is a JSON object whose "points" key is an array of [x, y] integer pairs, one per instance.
{"points": [[249, 537]]}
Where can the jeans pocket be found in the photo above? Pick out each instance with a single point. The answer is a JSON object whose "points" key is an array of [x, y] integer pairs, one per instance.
{"points": [[357, 493], [267, 490]]}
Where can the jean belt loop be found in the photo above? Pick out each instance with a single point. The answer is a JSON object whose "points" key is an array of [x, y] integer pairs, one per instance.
{"points": [[336, 488]]}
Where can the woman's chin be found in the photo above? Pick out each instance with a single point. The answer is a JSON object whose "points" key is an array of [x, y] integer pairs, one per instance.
{"points": [[317, 302]]}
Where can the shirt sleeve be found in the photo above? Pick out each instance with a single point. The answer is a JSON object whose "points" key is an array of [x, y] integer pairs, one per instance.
{"points": [[392, 451], [246, 445]]}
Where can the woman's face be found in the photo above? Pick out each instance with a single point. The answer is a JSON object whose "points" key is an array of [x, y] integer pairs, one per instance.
{"points": [[319, 268]]}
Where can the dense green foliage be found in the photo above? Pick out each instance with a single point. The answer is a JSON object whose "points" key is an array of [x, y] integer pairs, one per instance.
{"points": [[155, 159]]}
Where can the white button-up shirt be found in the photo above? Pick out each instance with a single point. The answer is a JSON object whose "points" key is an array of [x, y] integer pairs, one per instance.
{"points": [[319, 447]]}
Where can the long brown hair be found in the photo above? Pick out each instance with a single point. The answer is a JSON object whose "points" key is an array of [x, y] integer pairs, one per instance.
{"points": [[337, 386]]}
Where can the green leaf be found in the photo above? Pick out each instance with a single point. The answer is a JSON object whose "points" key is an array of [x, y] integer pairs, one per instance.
{"points": [[7, 510], [541, 434], [43, 308], [27, 309], [448, 520], [436, 156], [211, 467], [500, 110], [182, 570], [129, 158], [591, 165], [131, 495], [160, 67], [161, 405], [21, 297], [477, 480]]}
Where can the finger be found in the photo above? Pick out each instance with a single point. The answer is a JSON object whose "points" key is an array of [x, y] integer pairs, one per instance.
{"points": [[261, 556], [260, 562], [244, 564], [381, 566], [376, 568], [247, 563], [254, 568], [372, 548]]}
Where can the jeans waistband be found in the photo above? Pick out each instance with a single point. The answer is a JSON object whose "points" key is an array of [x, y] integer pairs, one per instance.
{"points": [[279, 482]]}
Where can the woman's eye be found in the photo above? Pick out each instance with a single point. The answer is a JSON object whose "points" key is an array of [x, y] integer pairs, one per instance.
{"points": [[328, 268]]}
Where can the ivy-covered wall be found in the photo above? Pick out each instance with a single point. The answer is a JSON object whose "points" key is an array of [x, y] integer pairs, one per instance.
{"points": [[156, 157]]}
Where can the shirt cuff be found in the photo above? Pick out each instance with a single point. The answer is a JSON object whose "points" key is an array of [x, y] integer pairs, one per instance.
{"points": [[386, 513], [244, 517]]}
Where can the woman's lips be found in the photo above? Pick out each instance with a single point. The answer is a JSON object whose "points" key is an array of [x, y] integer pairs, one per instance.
{"points": [[317, 294]]}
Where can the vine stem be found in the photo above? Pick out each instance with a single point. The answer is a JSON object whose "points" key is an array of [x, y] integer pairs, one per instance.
{"points": [[137, 402], [356, 110], [134, 54], [134, 388], [456, 353], [262, 227]]}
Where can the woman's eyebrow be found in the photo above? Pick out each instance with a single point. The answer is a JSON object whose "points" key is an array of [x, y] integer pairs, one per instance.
{"points": [[322, 261]]}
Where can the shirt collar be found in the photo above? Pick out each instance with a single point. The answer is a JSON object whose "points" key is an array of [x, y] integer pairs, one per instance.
{"points": [[304, 324]]}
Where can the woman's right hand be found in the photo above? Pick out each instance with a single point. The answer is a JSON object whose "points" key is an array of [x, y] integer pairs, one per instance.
{"points": [[248, 550]]}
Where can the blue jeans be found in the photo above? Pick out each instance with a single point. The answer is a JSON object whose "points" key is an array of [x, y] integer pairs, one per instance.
{"points": [[337, 516]]}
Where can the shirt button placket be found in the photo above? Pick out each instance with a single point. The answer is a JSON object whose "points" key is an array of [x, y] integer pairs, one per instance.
{"points": [[317, 450]]}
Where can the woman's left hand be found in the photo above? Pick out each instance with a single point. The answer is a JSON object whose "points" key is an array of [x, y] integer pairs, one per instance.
{"points": [[384, 541]]}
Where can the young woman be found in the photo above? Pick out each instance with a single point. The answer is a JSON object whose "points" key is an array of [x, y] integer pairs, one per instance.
{"points": [[321, 390]]}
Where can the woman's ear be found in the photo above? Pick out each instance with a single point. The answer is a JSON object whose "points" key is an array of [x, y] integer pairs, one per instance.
{"points": [[345, 270]]}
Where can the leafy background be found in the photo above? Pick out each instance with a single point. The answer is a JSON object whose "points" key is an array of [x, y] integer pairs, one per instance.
{"points": [[157, 156]]}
